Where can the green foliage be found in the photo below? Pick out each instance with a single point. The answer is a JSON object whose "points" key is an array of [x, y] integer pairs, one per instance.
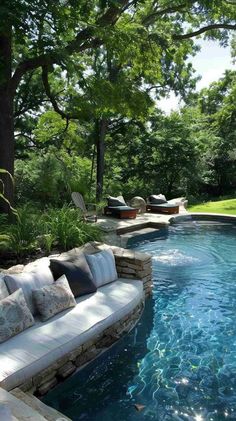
{"points": [[21, 236], [50, 178], [34, 231], [66, 228]]}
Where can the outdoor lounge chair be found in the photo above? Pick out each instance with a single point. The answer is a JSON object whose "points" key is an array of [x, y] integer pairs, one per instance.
{"points": [[158, 203], [89, 210], [117, 207], [168, 208]]}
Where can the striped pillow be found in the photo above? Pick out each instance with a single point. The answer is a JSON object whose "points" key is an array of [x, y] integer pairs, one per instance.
{"points": [[103, 267]]}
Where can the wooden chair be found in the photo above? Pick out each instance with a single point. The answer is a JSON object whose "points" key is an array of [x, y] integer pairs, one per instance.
{"points": [[89, 210]]}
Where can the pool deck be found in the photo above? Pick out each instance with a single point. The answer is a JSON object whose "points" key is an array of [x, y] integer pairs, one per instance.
{"points": [[118, 231]]}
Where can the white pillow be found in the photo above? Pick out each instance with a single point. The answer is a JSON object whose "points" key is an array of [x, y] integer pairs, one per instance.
{"points": [[29, 281], [103, 267], [3, 288]]}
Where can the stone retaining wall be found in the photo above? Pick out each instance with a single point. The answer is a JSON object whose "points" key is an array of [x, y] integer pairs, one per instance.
{"points": [[64, 367]]}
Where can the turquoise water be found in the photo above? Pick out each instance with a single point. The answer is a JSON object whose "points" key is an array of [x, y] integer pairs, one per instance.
{"points": [[180, 361]]}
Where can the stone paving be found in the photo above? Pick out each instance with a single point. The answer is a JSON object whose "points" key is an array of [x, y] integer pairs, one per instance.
{"points": [[116, 230]]}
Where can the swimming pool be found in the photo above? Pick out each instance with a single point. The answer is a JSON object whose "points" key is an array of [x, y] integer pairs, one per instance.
{"points": [[179, 363]]}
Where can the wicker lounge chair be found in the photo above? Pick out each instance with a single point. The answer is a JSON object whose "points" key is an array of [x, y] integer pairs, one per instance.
{"points": [[89, 210]]}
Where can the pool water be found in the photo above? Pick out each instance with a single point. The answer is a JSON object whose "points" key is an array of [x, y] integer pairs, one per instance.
{"points": [[179, 363]]}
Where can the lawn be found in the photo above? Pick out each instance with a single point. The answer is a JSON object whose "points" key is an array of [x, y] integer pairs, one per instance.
{"points": [[221, 206]]}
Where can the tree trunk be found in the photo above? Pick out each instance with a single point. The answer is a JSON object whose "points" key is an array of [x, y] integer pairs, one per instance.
{"points": [[100, 143], [6, 120]]}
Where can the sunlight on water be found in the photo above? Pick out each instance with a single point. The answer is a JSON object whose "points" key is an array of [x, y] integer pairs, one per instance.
{"points": [[179, 364], [174, 257]]}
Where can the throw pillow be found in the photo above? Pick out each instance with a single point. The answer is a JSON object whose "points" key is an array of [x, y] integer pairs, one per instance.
{"points": [[116, 201], [3, 288], [157, 199], [15, 316], [103, 267], [77, 272], [29, 281], [53, 299]]}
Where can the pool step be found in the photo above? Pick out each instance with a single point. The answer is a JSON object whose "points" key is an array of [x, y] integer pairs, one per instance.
{"points": [[142, 235], [47, 413]]}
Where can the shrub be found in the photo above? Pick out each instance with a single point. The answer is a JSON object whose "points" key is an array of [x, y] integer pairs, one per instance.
{"points": [[20, 237], [33, 231], [66, 229]]}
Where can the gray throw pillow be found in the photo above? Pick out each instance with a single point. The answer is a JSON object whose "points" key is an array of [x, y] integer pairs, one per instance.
{"points": [[77, 272], [15, 316], [116, 201], [157, 199], [53, 299], [3, 288], [29, 281], [103, 267]]}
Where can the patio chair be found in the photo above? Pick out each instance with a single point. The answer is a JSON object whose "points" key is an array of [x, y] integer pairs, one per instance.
{"points": [[89, 210], [117, 207]]}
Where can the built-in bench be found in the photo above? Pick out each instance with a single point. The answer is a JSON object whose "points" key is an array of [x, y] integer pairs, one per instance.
{"points": [[47, 352]]}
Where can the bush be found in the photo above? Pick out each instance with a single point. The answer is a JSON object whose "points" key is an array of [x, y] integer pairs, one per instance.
{"points": [[55, 228], [66, 229], [20, 237]]}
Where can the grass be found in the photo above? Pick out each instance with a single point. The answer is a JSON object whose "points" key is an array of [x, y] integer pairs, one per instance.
{"points": [[220, 206]]}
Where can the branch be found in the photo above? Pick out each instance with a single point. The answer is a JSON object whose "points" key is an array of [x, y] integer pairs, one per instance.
{"points": [[84, 40], [204, 29], [53, 101], [172, 9]]}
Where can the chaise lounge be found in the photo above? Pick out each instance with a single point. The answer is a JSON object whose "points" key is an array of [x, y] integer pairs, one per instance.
{"points": [[158, 203], [117, 207]]}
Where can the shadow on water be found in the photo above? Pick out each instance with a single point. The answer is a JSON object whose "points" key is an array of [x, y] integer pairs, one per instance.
{"points": [[103, 382]]}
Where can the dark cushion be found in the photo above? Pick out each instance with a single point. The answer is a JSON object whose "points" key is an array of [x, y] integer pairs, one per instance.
{"points": [[77, 272], [116, 201], [157, 199]]}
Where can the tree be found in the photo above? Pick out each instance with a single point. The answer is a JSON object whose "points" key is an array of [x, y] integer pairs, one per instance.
{"points": [[42, 34]]}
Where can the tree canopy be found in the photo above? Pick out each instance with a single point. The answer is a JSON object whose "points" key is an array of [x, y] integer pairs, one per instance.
{"points": [[97, 62]]}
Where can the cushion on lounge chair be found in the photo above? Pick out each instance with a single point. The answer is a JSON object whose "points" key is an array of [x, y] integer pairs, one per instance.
{"points": [[116, 201], [157, 199], [120, 208], [51, 340], [163, 205]]}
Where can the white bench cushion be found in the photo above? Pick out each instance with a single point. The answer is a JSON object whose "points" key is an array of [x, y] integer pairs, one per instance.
{"points": [[38, 347]]}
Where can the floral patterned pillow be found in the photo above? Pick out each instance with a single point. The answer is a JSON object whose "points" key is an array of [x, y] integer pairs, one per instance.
{"points": [[53, 299], [3, 288], [15, 316]]}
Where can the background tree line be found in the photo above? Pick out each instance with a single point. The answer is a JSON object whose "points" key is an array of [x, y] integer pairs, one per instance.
{"points": [[191, 152], [78, 88]]}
